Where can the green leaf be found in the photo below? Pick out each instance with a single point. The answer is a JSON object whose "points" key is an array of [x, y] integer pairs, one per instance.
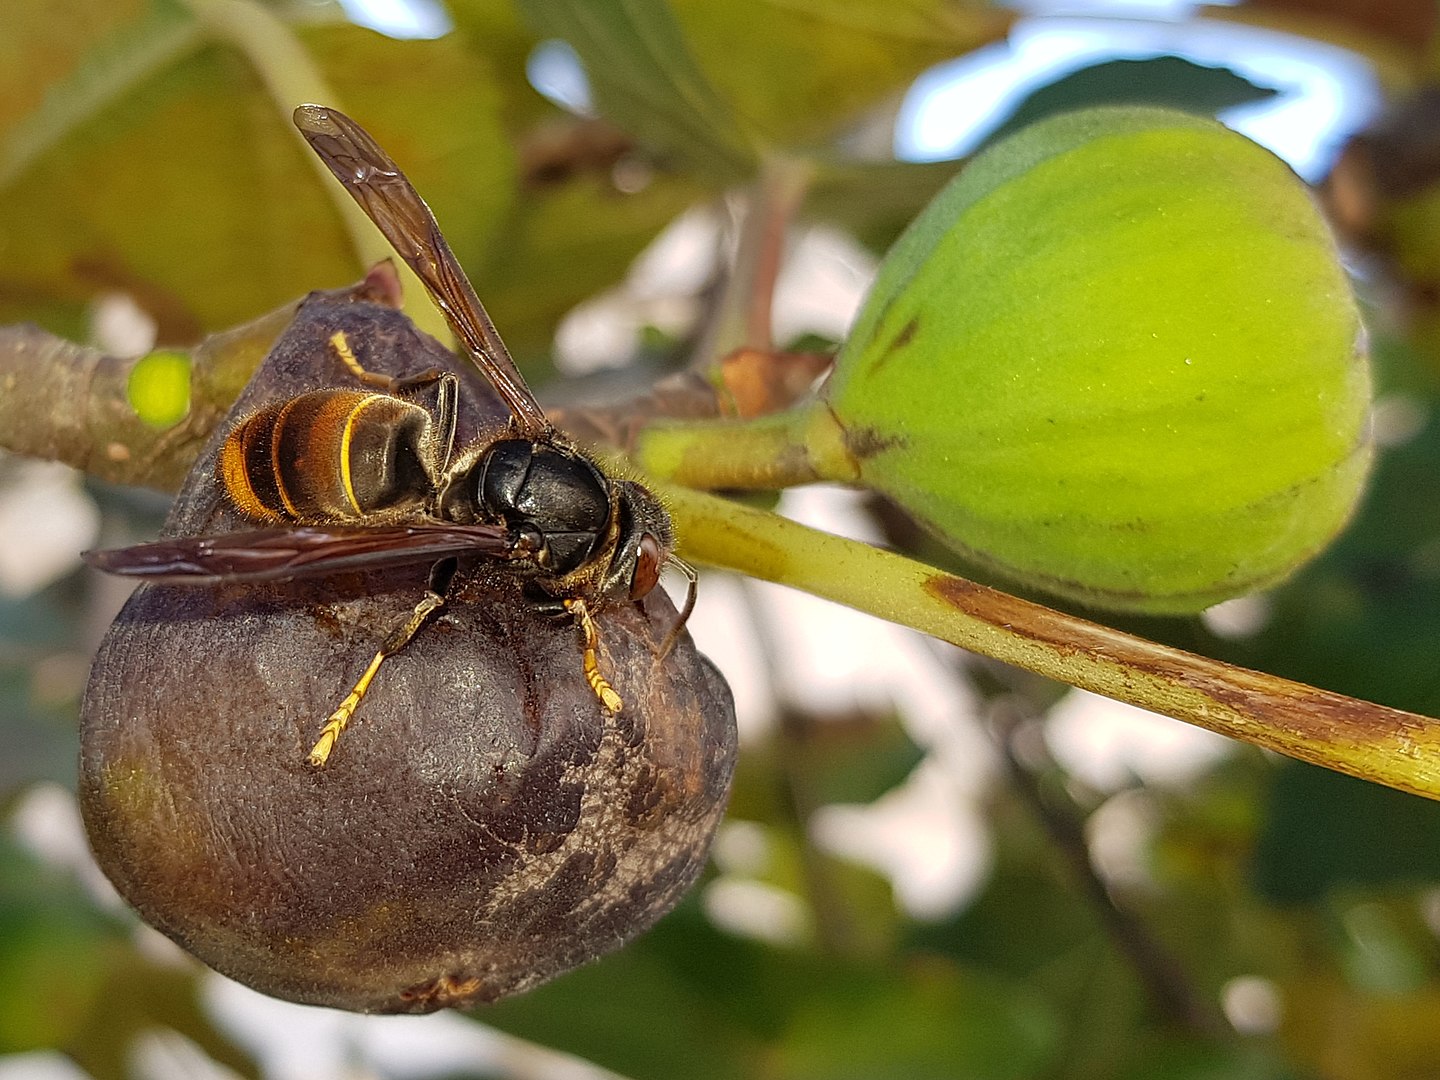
{"points": [[802, 71], [645, 79], [929, 1022], [162, 161], [58, 71], [1323, 831], [563, 244], [856, 762], [876, 200], [54, 949], [1167, 81], [733, 1008], [1175, 1057], [711, 992]]}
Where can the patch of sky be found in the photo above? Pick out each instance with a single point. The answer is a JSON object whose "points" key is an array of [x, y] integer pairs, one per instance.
{"points": [[404, 19], [1318, 93]]}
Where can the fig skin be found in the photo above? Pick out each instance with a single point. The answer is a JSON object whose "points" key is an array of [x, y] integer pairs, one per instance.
{"points": [[481, 826], [1117, 359]]}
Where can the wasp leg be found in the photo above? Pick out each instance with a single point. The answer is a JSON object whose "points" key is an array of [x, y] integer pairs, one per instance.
{"points": [[390, 384], [603, 690], [445, 405], [434, 599]]}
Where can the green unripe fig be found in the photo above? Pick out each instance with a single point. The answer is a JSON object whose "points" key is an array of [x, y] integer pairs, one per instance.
{"points": [[1117, 359]]}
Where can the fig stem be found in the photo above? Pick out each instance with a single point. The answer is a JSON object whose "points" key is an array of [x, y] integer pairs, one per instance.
{"points": [[66, 402], [742, 313], [1388, 746], [799, 446]]}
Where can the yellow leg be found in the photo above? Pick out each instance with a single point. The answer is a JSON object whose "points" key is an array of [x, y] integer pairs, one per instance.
{"points": [[337, 720], [591, 662], [335, 723], [340, 342]]}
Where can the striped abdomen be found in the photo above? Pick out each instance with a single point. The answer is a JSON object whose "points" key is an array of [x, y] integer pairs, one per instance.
{"points": [[329, 456]]}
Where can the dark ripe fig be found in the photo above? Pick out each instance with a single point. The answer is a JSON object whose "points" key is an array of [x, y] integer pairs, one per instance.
{"points": [[482, 826]]}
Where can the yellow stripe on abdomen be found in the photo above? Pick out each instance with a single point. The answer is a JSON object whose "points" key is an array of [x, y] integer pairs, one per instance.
{"points": [[347, 479]]}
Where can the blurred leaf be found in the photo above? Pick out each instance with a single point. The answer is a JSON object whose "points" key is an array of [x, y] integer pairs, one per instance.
{"points": [[818, 65], [851, 906], [683, 1001], [495, 30], [41, 678], [1029, 924], [1409, 24], [856, 761], [731, 1008], [928, 1021], [563, 244], [1330, 1030], [1183, 1058], [1025, 918], [1324, 830], [55, 951], [875, 200], [39, 739], [64, 60], [165, 169], [140, 996], [644, 78], [1412, 230], [1382, 955]]}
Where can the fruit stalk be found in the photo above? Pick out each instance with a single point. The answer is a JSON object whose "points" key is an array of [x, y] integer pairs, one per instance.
{"points": [[799, 446], [1388, 746]]}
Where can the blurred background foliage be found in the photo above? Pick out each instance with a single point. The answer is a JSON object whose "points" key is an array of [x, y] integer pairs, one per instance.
{"points": [[1232, 916]]}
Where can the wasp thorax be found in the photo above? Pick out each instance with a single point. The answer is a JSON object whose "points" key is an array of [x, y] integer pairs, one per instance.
{"points": [[551, 492]]}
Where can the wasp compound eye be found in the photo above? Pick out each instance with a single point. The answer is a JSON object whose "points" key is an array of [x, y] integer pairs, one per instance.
{"points": [[648, 559], [483, 827]]}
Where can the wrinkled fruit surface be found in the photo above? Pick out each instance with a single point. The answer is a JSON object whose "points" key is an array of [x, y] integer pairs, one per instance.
{"points": [[480, 827]]}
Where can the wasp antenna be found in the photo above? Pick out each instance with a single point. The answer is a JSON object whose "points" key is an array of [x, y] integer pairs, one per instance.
{"points": [[673, 637]]}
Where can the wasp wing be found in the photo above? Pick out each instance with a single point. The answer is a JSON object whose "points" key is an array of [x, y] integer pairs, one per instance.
{"points": [[280, 554], [397, 210]]}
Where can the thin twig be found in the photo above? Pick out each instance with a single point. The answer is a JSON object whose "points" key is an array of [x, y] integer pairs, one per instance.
{"points": [[1166, 983]]}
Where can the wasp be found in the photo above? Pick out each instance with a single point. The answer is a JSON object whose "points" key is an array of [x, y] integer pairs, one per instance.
{"points": [[345, 479]]}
